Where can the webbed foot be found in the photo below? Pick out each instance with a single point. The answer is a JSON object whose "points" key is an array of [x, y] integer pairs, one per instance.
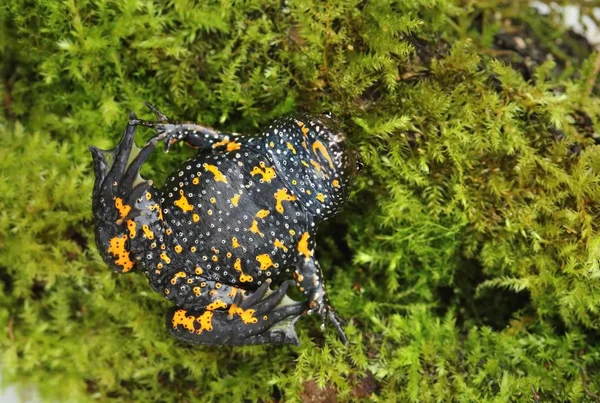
{"points": [[326, 311], [118, 175], [117, 190], [260, 318]]}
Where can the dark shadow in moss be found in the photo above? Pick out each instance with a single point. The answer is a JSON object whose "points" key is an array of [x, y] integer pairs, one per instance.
{"points": [[493, 307], [525, 47], [332, 242], [428, 49], [276, 394], [38, 290], [6, 281]]}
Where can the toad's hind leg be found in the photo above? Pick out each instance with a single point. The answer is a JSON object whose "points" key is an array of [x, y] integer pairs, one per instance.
{"points": [[117, 187], [251, 321], [194, 134], [118, 174]]}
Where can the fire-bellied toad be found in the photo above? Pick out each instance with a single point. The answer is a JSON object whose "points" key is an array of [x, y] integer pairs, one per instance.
{"points": [[238, 217]]}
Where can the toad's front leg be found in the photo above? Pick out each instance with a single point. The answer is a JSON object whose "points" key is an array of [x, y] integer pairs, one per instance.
{"points": [[310, 280], [194, 134]]}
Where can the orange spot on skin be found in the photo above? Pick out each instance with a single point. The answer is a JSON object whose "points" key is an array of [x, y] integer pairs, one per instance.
{"points": [[291, 147], [213, 200], [280, 245], [265, 261], [196, 181], [233, 292], [303, 246], [247, 315], [235, 243], [195, 218], [148, 196], [132, 228], [303, 128], [188, 322], [235, 200], [317, 166], [169, 231], [280, 196], [198, 270], [321, 197], [262, 213], [223, 142], [216, 305], [243, 277], [176, 276], [156, 207], [124, 209], [183, 203], [254, 228], [233, 146], [178, 248], [165, 257], [318, 146], [118, 248], [180, 318], [197, 291], [219, 177], [267, 173], [147, 233], [336, 183], [205, 321]]}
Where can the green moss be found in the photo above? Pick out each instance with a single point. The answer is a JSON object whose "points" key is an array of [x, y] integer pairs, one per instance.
{"points": [[468, 260]]}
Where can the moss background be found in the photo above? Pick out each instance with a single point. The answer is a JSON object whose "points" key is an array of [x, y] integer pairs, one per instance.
{"points": [[468, 260]]}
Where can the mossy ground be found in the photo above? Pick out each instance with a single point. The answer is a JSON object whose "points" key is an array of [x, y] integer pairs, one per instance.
{"points": [[468, 260]]}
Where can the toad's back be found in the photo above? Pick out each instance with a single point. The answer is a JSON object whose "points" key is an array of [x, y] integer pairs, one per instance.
{"points": [[243, 211], [230, 213]]}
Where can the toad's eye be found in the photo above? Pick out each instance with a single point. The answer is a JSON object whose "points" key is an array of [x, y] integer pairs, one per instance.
{"points": [[359, 165], [329, 114]]}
